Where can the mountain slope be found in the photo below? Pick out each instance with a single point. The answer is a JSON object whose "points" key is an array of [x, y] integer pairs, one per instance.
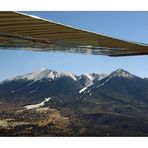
{"points": [[122, 88], [46, 83], [50, 103]]}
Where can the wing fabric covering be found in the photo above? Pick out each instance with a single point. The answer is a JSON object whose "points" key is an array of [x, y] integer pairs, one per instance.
{"points": [[21, 31]]}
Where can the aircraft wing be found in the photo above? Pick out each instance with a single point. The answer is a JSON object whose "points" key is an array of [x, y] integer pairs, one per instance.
{"points": [[22, 31]]}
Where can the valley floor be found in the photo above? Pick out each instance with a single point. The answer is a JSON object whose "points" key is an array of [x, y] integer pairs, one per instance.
{"points": [[45, 121]]}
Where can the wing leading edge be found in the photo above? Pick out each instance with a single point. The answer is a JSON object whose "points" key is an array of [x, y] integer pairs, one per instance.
{"points": [[19, 31]]}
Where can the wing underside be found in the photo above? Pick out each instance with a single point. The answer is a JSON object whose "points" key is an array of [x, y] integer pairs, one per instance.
{"points": [[21, 31]]}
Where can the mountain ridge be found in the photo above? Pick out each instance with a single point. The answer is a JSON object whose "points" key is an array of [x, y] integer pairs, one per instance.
{"points": [[83, 81], [52, 74]]}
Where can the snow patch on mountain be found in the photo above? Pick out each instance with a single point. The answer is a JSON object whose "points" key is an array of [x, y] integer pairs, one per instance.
{"points": [[92, 77], [89, 76], [13, 91], [31, 92], [37, 105], [104, 82], [88, 83], [83, 89]]}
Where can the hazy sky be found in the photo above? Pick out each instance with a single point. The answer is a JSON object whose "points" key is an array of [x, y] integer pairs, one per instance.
{"points": [[125, 25]]}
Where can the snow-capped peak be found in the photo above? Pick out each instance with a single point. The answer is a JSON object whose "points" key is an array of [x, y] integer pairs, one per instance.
{"points": [[118, 73], [87, 79], [122, 73], [44, 74], [67, 74], [41, 74]]}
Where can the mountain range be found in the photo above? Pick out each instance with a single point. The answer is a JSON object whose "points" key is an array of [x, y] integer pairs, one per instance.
{"points": [[49, 83], [113, 104]]}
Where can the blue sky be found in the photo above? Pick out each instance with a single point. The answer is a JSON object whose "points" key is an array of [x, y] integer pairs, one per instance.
{"points": [[124, 25]]}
